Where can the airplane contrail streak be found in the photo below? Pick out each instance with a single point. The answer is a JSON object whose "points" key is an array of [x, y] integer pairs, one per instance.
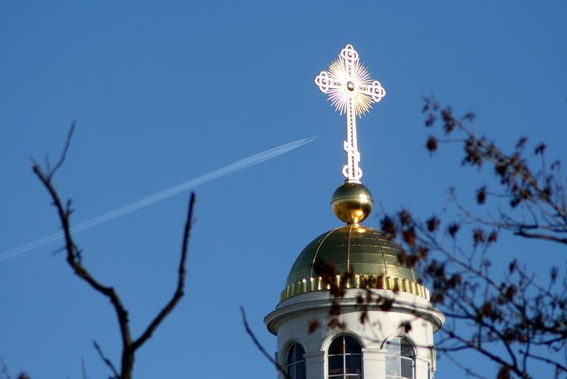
{"points": [[192, 183]]}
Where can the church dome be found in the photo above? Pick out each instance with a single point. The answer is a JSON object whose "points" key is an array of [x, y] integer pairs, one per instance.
{"points": [[373, 259]]}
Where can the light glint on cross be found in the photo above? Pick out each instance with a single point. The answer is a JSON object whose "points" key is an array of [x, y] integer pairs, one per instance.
{"points": [[350, 91]]}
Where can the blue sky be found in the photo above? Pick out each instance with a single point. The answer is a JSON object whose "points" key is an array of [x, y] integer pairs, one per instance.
{"points": [[163, 92]]}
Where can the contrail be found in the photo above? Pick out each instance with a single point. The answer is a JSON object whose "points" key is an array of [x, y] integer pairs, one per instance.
{"points": [[223, 171]]}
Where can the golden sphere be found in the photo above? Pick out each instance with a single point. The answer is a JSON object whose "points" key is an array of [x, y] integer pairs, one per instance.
{"points": [[352, 202]]}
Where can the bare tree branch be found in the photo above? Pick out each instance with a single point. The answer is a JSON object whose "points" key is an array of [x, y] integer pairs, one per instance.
{"points": [[540, 236], [510, 317], [259, 346], [508, 314], [178, 294], [129, 346]]}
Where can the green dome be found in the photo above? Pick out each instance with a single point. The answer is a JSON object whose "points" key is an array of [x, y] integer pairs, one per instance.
{"points": [[371, 256]]}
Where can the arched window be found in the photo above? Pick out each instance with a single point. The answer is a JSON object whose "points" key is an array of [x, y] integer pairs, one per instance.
{"points": [[345, 358], [296, 362], [400, 359]]}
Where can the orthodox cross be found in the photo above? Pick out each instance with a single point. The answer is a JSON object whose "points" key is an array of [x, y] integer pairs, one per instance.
{"points": [[350, 91]]}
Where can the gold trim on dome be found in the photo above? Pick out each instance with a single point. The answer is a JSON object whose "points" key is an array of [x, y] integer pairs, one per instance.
{"points": [[358, 281]]}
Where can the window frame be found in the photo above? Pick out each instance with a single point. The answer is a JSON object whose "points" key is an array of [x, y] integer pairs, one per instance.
{"points": [[345, 362], [400, 356], [295, 365]]}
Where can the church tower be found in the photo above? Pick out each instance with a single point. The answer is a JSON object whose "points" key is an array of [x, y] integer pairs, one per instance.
{"points": [[350, 308]]}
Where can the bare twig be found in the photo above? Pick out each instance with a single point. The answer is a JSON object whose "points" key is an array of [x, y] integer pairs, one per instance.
{"points": [[249, 331], [59, 163], [105, 359], [84, 368], [5, 370], [468, 371]]}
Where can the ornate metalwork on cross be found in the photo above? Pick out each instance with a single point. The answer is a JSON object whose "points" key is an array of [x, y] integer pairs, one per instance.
{"points": [[350, 91]]}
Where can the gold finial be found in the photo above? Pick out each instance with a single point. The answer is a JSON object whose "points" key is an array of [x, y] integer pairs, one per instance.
{"points": [[352, 202]]}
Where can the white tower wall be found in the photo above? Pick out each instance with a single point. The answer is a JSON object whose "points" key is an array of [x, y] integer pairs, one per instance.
{"points": [[291, 320]]}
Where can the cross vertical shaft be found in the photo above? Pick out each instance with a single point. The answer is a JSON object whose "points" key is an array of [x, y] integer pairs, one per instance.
{"points": [[351, 171]]}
